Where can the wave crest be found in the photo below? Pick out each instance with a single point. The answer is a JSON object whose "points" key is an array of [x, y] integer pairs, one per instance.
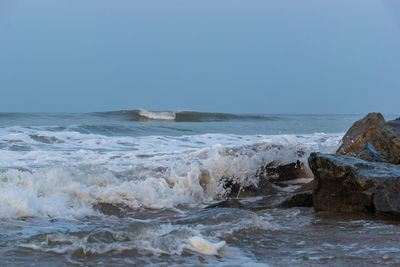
{"points": [[157, 115], [183, 116]]}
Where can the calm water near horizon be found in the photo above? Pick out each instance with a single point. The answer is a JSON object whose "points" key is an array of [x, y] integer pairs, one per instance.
{"points": [[129, 188]]}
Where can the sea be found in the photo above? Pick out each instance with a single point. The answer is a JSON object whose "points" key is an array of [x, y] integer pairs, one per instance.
{"points": [[131, 187]]}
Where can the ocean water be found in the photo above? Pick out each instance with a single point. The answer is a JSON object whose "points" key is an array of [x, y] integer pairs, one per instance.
{"points": [[130, 188]]}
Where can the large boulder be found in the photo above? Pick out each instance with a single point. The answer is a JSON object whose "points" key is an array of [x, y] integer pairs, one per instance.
{"points": [[347, 184], [377, 132]]}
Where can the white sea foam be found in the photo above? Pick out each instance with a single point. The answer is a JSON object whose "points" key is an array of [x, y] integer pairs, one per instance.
{"points": [[200, 245], [157, 115], [69, 172]]}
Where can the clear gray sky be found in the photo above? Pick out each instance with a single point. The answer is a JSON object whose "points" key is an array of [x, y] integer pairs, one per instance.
{"points": [[244, 56]]}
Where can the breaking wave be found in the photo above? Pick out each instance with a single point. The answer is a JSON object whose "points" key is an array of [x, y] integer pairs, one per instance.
{"points": [[82, 171], [182, 116]]}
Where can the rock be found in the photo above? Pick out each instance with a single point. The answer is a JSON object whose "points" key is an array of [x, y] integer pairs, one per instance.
{"points": [[368, 153], [264, 187], [375, 130], [110, 209], [347, 184], [304, 199], [271, 177], [284, 172]]}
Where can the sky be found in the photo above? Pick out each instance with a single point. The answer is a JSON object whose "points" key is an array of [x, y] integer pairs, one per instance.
{"points": [[240, 56]]}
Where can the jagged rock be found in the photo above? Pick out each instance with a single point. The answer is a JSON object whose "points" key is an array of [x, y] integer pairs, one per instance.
{"points": [[368, 153], [304, 199], [347, 184], [375, 130]]}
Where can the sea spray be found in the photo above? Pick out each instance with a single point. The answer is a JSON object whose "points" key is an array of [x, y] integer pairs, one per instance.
{"points": [[91, 169]]}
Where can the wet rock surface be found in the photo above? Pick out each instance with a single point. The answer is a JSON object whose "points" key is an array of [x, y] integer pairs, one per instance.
{"points": [[301, 197], [275, 172], [264, 187], [347, 184], [373, 129], [369, 153]]}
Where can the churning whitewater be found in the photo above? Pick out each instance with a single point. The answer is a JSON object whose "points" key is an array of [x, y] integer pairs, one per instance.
{"points": [[130, 187], [65, 174]]}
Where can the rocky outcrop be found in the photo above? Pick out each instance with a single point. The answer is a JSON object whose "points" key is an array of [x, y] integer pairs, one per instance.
{"points": [[377, 132], [347, 184]]}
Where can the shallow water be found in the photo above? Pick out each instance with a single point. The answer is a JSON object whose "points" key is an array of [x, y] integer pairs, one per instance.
{"points": [[271, 237], [130, 187]]}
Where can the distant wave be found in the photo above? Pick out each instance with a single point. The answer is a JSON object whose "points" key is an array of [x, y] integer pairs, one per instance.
{"points": [[182, 116], [157, 115]]}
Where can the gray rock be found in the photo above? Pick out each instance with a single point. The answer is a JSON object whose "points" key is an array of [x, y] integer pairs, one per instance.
{"points": [[347, 184], [369, 153]]}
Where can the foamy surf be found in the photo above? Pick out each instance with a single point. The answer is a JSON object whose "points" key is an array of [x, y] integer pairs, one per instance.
{"points": [[202, 246], [81, 170]]}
